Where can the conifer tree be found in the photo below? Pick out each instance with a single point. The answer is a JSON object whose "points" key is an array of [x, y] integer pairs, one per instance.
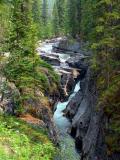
{"points": [[67, 17], [23, 62], [45, 12], [5, 14], [37, 16], [55, 20], [106, 28]]}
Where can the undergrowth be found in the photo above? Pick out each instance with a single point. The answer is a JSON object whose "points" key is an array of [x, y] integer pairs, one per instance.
{"points": [[20, 141]]}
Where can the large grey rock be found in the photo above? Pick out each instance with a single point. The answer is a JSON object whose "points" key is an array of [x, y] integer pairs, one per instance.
{"points": [[77, 62], [72, 47], [51, 59], [87, 122], [9, 93], [67, 45], [73, 105]]}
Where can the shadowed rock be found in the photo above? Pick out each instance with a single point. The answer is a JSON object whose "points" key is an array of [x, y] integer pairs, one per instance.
{"points": [[87, 123], [51, 59]]}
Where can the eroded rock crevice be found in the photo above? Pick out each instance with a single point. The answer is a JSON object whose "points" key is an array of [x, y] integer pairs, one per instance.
{"points": [[87, 122]]}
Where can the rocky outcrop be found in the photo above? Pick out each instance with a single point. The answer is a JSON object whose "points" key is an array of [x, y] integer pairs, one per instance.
{"points": [[39, 109], [67, 45], [90, 126], [71, 47], [87, 122], [77, 62], [87, 128], [8, 92], [42, 110], [53, 60]]}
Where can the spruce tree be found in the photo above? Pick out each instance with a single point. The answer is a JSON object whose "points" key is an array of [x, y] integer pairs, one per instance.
{"points": [[67, 17], [45, 12], [5, 13], [55, 20], [22, 63], [71, 17]]}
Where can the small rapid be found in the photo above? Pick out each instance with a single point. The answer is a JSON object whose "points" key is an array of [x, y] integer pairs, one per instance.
{"points": [[67, 143]]}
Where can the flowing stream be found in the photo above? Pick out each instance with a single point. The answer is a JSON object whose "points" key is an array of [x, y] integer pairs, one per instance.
{"points": [[67, 143]]}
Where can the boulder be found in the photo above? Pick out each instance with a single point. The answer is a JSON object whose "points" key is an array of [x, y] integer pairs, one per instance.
{"points": [[51, 59], [72, 47], [8, 92], [73, 105], [77, 62], [67, 45]]}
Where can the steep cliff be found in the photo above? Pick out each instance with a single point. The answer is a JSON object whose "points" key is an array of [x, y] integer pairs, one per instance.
{"points": [[94, 110], [87, 122], [90, 124]]}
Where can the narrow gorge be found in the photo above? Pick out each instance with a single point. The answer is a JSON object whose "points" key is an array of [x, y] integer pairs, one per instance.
{"points": [[59, 80], [75, 114], [80, 123], [70, 84]]}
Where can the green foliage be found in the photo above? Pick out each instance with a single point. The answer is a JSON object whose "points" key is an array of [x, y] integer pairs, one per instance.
{"points": [[106, 65], [67, 17], [5, 14], [42, 19], [20, 141], [96, 21], [59, 17], [24, 67], [74, 17], [111, 103]]}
